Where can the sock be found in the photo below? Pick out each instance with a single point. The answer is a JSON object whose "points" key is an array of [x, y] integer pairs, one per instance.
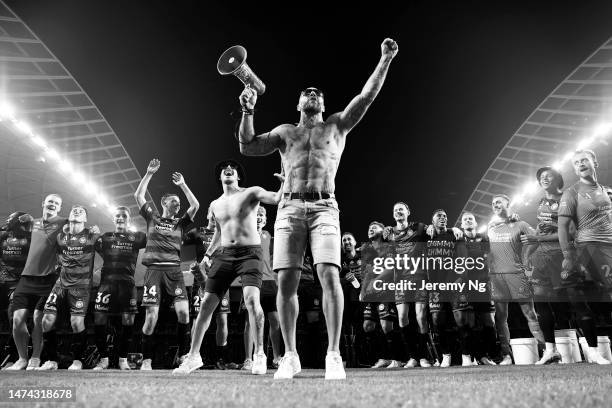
{"points": [[489, 336], [125, 343], [183, 337], [587, 325], [50, 345], [220, 353], [546, 320], [100, 332], [423, 348], [147, 346], [388, 350], [408, 337], [465, 340], [536, 331], [313, 356], [79, 345]]}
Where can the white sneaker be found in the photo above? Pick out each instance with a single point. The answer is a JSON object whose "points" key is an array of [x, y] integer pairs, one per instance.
{"points": [[260, 364], [49, 365], [446, 361], [189, 365], [247, 365], [381, 363], [596, 357], [394, 364], [412, 363], [487, 361], [33, 364], [146, 364], [123, 364], [17, 365], [76, 365], [507, 360], [334, 370], [424, 363], [466, 360], [549, 357], [102, 364], [288, 366]]}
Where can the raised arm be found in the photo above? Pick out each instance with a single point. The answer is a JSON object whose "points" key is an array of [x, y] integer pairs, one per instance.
{"points": [[251, 144], [269, 197], [194, 204], [355, 110], [141, 191]]}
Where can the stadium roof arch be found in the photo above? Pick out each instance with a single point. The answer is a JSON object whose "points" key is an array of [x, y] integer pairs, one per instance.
{"points": [[576, 114], [53, 138]]}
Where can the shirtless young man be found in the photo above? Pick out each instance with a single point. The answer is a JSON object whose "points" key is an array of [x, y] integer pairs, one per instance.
{"points": [[235, 212], [310, 154]]}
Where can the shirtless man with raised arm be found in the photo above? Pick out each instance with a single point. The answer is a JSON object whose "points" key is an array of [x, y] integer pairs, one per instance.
{"points": [[239, 254], [308, 212]]}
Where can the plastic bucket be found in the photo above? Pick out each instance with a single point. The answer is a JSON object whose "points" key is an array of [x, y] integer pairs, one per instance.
{"points": [[603, 345], [571, 333], [524, 350], [585, 348], [564, 346]]}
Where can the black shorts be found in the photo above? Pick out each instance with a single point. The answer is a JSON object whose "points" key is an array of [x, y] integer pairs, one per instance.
{"points": [[75, 299], [379, 311], [198, 295], [230, 262], [32, 292], [309, 296], [413, 296], [116, 296], [168, 278], [597, 259], [6, 296], [458, 302]]}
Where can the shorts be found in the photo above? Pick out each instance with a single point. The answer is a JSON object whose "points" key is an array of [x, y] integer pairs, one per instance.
{"points": [[380, 311], [166, 277], [413, 296], [548, 274], [76, 299], [459, 302], [597, 259], [309, 296], [32, 292], [510, 287], [222, 308], [230, 262], [116, 296], [483, 307], [481, 302], [299, 222], [7, 289]]}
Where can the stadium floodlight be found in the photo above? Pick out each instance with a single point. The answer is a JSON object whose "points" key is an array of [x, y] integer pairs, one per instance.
{"points": [[132, 228], [602, 129], [102, 200], [567, 156], [91, 189], [24, 127], [39, 141], [530, 188], [516, 199], [78, 178], [557, 165], [53, 154], [7, 111], [111, 208], [584, 143], [65, 166]]}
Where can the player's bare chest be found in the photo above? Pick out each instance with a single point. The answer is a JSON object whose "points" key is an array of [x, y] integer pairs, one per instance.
{"points": [[318, 138]]}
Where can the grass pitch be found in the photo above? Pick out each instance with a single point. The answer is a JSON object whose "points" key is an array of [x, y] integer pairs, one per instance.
{"points": [[572, 385]]}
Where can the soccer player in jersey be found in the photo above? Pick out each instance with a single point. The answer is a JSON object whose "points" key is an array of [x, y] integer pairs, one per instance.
{"points": [[444, 245], [409, 239], [119, 252], [508, 280], [202, 239], [587, 203], [15, 238], [240, 254], [477, 245], [76, 254], [162, 258], [268, 292], [350, 277], [37, 280], [383, 313]]}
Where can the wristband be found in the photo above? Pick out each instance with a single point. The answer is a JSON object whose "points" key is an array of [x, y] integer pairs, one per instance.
{"points": [[247, 111]]}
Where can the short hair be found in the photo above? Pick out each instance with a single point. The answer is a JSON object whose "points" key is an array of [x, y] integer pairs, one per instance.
{"points": [[124, 208], [466, 213], [348, 233], [439, 210], [262, 208], [402, 203], [380, 224], [79, 206], [56, 195], [587, 151], [165, 197], [504, 196]]}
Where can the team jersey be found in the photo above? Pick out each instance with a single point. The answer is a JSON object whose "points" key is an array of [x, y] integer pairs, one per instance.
{"points": [[119, 251], [15, 247], [590, 208], [201, 238], [548, 222], [76, 254], [351, 264], [411, 240], [266, 249], [506, 247], [42, 257], [478, 246], [164, 237], [445, 247]]}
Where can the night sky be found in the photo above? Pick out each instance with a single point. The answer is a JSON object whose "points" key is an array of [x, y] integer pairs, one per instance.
{"points": [[465, 78]]}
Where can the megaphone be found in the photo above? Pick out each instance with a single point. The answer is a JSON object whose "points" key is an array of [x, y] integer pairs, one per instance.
{"points": [[233, 62]]}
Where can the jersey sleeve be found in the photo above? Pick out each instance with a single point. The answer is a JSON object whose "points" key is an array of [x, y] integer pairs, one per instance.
{"points": [[141, 240], [526, 228], [568, 203], [147, 212]]}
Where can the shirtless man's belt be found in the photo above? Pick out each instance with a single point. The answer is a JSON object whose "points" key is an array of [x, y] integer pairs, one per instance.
{"points": [[310, 196]]}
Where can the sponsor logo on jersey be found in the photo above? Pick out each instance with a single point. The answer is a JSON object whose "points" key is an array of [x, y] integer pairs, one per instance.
{"points": [[178, 291], [79, 304], [82, 240], [224, 302], [316, 302], [381, 307], [132, 238], [564, 275], [554, 206], [132, 302]]}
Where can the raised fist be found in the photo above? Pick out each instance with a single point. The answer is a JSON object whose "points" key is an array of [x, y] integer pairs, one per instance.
{"points": [[177, 178], [248, 98], [389, 48], [153, 166]]}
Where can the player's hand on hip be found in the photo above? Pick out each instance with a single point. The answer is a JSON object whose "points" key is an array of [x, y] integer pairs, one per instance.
{"points": [[177, 178], [389, 48], [248, 97], [153, 166]]}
